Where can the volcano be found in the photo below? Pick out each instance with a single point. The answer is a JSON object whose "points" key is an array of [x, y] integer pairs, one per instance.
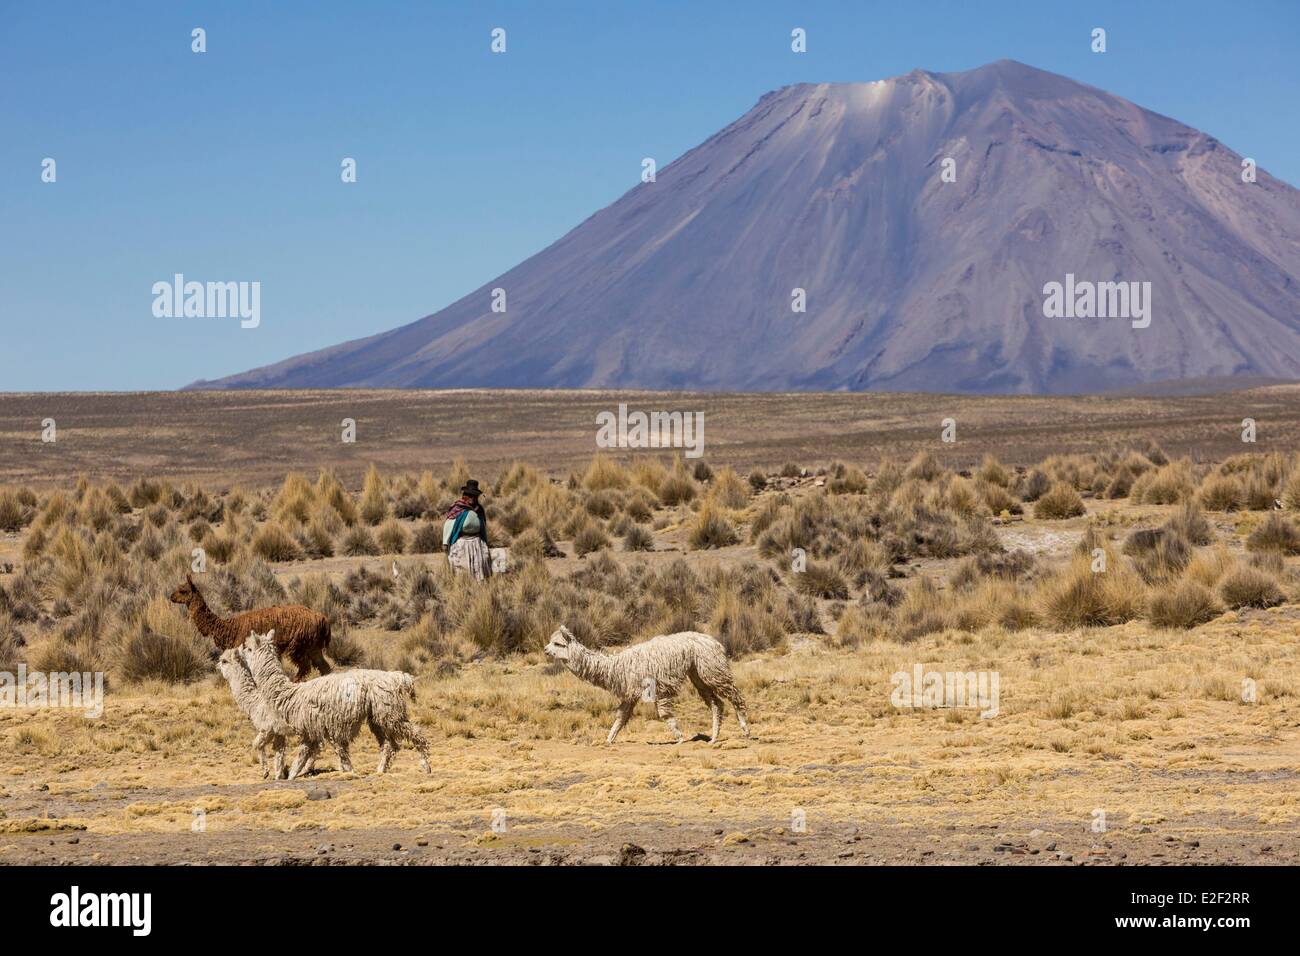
{"points": [[918, 221]]}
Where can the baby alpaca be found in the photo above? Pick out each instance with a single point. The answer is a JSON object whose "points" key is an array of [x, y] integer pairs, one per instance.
{"points": [[655, 670], [271, 730], [333, 708]]}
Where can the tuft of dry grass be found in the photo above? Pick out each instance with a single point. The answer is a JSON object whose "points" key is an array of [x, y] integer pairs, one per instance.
{"points": [[711, 529], [1187, 605], [1250, 587], [1221, 493], [359, 542], [1078, 596], [637, 538], [1277, 533], [590, 537], [274, 543], [678, 487], [392, 537], [14, 515], [374, 504], [821, 580], [1059, 502], [1166, 485], [604, 474]]}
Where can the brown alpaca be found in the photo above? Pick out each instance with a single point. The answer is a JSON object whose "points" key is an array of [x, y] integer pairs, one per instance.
{"points": [[301, 634]]}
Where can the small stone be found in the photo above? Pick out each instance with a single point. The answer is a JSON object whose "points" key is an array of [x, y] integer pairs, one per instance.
{"points": [[422, 842], [318, 793], [397, 846], [630, 855]]}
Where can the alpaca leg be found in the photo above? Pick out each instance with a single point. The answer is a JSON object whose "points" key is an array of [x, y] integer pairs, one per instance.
{"points": [[386, 755], [322, 665], [624, 712], [387, 745], [411, 734], [664, 708], [345, 758], [738, 702], [277, 751], [716, 705], [259, 744], [711, 698], [304, 668], [306, 752]]}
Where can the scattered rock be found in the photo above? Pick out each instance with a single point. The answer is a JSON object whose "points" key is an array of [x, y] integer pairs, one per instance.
{"points": [[630, 855]]}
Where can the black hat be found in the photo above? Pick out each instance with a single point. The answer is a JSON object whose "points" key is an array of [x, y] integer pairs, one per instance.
{"points": [[471, 489]]}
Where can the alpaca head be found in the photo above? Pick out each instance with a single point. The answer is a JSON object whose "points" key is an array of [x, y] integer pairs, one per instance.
{"points": [[256, 643], [230, 663], [562, 644], [186, 592]]}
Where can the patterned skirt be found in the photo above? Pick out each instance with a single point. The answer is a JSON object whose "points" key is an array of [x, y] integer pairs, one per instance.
{"points": [[471, 555]]}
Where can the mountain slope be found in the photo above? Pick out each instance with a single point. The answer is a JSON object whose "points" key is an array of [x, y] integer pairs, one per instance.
{"points": [[912, 283]]}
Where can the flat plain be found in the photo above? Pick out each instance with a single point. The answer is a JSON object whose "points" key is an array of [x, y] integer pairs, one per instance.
{"points": [[1113, 743]]}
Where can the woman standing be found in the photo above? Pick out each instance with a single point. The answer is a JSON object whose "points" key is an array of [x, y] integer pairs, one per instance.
{"points": [[464, 534]]}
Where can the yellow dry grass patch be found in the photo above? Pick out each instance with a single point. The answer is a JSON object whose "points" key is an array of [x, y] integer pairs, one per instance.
{"points": [[1146, 725]]}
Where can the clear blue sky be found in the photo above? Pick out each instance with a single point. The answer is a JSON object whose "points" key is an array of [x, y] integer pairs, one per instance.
{"points": [[225, 165]]}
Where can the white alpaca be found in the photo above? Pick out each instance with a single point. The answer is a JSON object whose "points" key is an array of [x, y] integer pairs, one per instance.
{"points": [[271, 730], [333, 708], [655, 670]]}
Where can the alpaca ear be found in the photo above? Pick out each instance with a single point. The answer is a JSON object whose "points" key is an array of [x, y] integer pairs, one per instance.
{"points": [[189, 578], [270, 635]]}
